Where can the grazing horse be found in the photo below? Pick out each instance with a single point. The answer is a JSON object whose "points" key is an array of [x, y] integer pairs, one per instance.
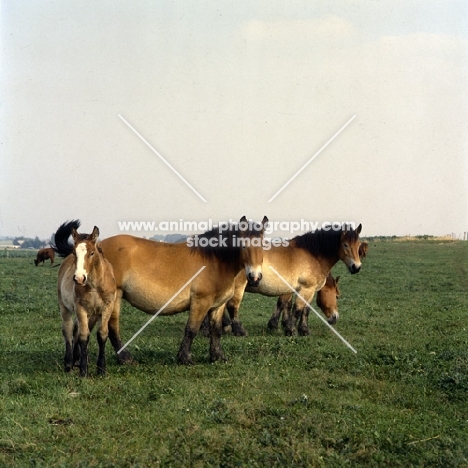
{"points": [[305, 264], [326, 301], [45, 254], [148, 275], [86, 287]]}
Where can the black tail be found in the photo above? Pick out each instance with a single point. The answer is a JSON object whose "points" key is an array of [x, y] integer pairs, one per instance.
{"points": [[60, 242]]}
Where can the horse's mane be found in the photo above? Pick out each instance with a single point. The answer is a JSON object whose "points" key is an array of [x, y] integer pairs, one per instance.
{"points": [[322, 243], [225, 254], [60, 242]]}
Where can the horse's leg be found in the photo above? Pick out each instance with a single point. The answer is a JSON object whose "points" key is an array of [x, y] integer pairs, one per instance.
{"points": [[205, 327], [76, 346], [227, 324], [302, 310], [232, 307], [67, 332], [289, 318], [284, 302], [216, 330], [83, 339], [102, 335], [114, 332], [198, 310]]}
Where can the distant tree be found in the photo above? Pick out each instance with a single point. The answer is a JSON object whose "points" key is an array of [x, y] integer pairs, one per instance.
{"points": [[175, 238], [18, 240], [35, 243]]}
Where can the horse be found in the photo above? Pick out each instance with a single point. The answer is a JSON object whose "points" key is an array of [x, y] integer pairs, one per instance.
{"points": [[85, 287], [304, 263], [148, 274], [326, 300], [363, 248], [45, 254]]}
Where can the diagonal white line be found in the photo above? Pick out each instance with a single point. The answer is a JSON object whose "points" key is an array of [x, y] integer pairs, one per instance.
{"points": [[160, 157], [312, 158], [313, 310], [161, 309]]}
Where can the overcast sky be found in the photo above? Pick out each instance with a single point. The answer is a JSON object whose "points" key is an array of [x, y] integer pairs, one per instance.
{"points": [[237, 96]]}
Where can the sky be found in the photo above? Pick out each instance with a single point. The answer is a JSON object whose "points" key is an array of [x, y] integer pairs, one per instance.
{"points": [[236, 97]]}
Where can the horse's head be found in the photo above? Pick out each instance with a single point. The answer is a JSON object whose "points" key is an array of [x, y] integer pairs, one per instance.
{"points": [[84, 250], [327, 299], [251, 235], [349, 249]]}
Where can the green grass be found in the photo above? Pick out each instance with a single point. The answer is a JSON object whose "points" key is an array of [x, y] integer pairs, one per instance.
{"points": [[402, 400]]}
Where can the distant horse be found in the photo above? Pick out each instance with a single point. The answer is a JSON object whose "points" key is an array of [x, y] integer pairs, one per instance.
{"points": [[45, 254], [363, 248], [149, 273], [326, 301], [86, 287], [305, 264]]}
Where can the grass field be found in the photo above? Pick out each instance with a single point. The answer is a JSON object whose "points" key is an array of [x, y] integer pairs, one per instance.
{"points": [[402, 400]]}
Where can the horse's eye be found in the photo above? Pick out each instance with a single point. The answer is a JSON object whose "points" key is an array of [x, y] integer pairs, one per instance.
{"points": [[345, 245], [91, 254]]}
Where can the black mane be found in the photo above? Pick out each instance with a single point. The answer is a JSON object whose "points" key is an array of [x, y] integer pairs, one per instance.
{"points": [[322, 243], [230, 238]]}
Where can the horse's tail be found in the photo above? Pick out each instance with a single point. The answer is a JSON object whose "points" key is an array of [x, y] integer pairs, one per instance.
{"points": [[60, 242]]}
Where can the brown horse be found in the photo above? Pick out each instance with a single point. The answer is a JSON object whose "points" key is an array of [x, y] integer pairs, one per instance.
{"points": [[326, 301], [299, 306], [363, 248], [149, 273], [43, 255], [86, 287], [305, 264]]}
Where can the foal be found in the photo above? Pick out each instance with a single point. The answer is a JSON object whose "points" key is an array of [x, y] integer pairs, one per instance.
{"points": [[86, 286]]}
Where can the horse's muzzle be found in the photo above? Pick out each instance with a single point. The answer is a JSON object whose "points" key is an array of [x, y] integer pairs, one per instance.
{"points": [[333, 319], [254, 280], [81, 281], [354, 268]]}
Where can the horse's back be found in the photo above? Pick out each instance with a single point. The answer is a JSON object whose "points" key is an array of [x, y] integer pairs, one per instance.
{"points": [[148, 273]]}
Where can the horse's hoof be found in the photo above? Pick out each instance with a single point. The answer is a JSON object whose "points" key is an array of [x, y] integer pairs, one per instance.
{"points": [[68, 367], [273, 325], [125, 358], [304, 332], [184, 360], [217, 357], [238, 330], [290, 332]]}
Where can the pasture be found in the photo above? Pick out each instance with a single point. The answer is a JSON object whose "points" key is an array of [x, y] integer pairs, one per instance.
{"points": [[402, 400]]}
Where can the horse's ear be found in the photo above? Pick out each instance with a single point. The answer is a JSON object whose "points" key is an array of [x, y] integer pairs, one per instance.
{"points": [[358, 229], [336, 280], [74, 233], [243, 219], [265, 220], [95, 234]]}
